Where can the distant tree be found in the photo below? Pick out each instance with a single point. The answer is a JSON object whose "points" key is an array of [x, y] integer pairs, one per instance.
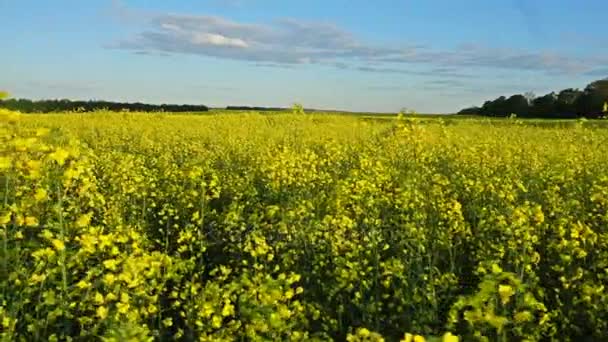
{"points": [[495, 108], [566, 102], [545, 106], [47, 106], [590, 103], [517, 104], [473, 110]]}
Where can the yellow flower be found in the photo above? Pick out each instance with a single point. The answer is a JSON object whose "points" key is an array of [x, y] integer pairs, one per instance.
{"points": [[84, 220], [289, 294], [83, 284], [505, 292], [5, 163], [6, 218], [11, 117], [40, 194], [60, 156], [102, 312], [40, 132], [167, 322], [419, 338], [228, 309], [58, 244], [216, 322], [448, 337], [109, 279], [207, 310], [110, 264], [539, 217], [31, 221], [98, 298], [37, 278], [33, 166], [123, 308], [524, 316], [496, 269], [18, 235], [363, 332]]}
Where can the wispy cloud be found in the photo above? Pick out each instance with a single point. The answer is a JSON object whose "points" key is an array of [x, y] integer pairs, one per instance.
{"points": [[215, 88], [55, 89], [600, 72], [450, 83], [67, 86], [428, 72], [291, 42], [384, 87], [152, 53], [286, 41]]}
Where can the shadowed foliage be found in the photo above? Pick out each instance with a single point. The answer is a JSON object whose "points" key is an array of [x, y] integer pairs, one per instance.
{"points": [[568, 103]]}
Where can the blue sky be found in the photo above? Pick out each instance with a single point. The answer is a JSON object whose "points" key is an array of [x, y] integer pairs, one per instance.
{"points": [[428, 55]]}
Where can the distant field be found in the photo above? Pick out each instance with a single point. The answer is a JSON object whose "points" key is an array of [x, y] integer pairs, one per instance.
{"points": [[600, 123], [268, 227]]}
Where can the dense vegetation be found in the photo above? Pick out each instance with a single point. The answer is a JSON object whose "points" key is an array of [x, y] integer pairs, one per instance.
{"points": [[48, 106], [568, 103], [301, 227], [258, 109]]}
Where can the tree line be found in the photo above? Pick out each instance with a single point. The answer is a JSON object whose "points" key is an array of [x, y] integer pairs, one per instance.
{"points": [[591, 102], [49, 106]]}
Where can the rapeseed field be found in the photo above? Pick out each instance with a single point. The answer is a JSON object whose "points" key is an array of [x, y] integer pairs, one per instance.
{"points": [[282, 227]]}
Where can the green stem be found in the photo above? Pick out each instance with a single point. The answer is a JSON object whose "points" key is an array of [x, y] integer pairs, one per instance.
{"points": [[201, 238], [5, 233], [62, 256]]}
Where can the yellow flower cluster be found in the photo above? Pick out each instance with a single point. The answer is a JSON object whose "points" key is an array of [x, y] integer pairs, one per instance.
{"points": [[157, 227]]}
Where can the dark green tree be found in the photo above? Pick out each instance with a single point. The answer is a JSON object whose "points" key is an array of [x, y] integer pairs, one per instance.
{"points": [[48, 106], [566, 102], [496, 108], [545, 106], [517, 104], [594, 96]]}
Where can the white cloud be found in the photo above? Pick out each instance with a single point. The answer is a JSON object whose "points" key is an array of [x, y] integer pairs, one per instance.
{"points": [[217, 39], [294, 42], [170, 27]]}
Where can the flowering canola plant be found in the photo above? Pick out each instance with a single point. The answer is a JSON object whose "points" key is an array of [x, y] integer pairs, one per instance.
{"points": [[249, 227]]}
